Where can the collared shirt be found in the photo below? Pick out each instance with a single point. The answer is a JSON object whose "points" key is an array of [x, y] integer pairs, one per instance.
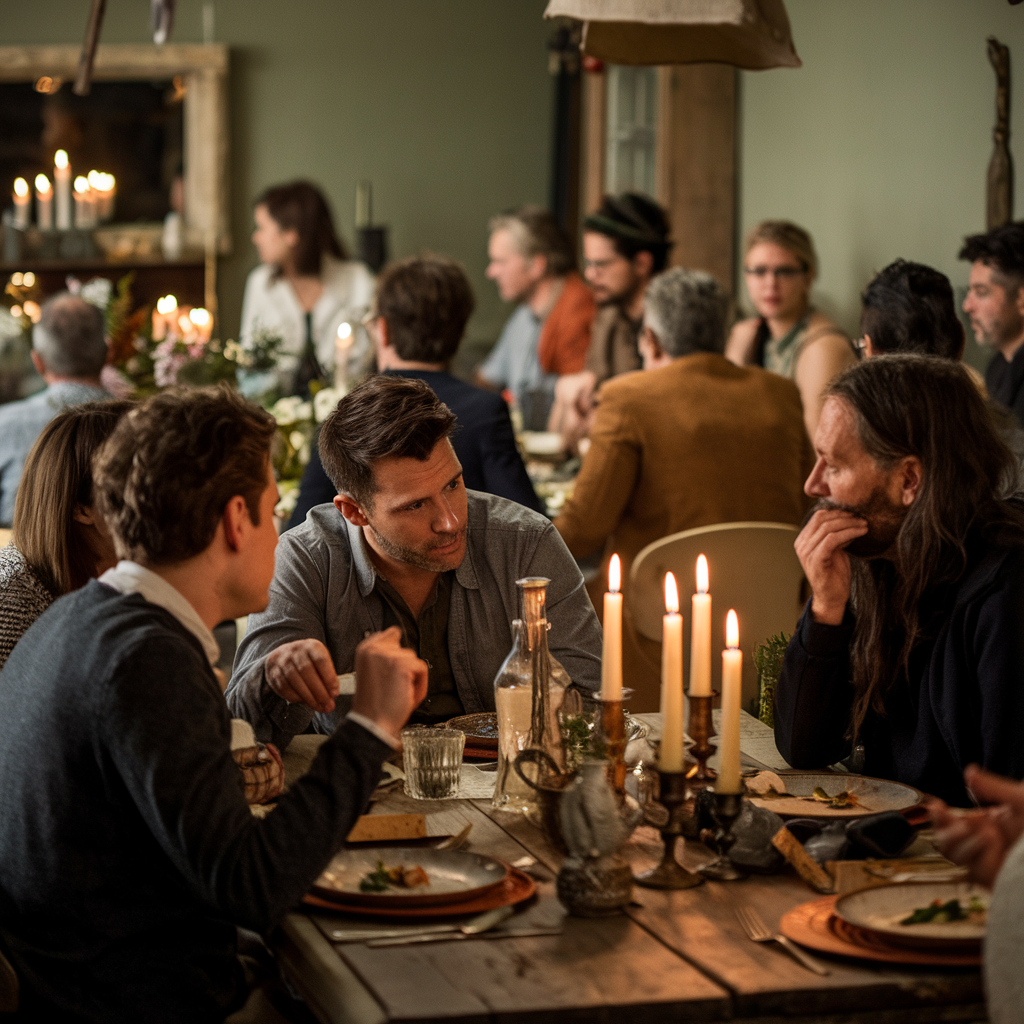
{"points": [[324, 588], [22, 422], [428, 637], [514, 364]]}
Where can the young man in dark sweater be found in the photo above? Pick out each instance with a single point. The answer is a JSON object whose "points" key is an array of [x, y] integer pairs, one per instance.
{"points": [[911, 645], [128, 854]]}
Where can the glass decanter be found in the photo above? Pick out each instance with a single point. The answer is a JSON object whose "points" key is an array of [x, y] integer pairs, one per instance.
{"points": [[528, 693]]}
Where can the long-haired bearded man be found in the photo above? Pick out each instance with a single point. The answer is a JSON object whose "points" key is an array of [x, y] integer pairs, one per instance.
{"points": [[910, 652]]}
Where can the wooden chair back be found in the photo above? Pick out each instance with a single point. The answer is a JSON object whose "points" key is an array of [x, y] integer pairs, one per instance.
{"points": [[752, 567]]}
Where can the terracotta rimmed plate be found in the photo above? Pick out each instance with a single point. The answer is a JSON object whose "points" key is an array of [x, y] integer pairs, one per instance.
{"points": [[481, 729], [880, 910], [455, 876], [516, 888], [815, 925], [873, 796]]}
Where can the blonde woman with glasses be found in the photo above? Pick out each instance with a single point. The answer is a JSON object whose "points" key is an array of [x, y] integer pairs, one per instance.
{"points": [[788, 336]]}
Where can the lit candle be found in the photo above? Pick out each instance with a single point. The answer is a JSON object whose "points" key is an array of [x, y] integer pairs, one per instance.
{"points": [[342, 343], [732, 687], [611, 654], [700, 635], [44, 203], [203, 323], [85, 209], [62, 189], [163, 315], [22, 199], [102, 185], [670, 754]]}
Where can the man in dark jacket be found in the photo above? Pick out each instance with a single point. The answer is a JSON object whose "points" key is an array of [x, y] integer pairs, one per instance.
{"points": [[128, 853], [423, 304], [995, 304], [911, 646]]}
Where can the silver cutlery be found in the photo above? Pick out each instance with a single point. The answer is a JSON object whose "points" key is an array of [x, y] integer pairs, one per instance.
{"points": [[487, 919], [758, 931], [457, 841], [475, 926], [511, 933]]}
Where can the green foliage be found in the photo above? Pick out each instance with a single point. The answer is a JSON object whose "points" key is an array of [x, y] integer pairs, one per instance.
{"points": [[768, 658]]}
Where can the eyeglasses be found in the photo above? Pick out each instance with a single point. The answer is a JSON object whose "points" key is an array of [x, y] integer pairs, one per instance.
{"points": [[861, 345], [601, 264], [779, 273], [369, 320]]}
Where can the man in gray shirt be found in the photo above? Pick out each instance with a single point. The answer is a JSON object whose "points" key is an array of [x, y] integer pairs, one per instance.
{"points": [[68, 349], [405, 544]]}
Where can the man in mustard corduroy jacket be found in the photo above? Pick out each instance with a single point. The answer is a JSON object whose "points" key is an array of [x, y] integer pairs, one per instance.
{"points": [[690, 440]]}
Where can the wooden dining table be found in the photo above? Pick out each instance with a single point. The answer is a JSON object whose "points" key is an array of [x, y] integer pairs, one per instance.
{"points": [[670, 956]]}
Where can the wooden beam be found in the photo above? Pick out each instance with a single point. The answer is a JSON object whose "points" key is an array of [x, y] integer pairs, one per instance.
{"points": [[83, 77]]}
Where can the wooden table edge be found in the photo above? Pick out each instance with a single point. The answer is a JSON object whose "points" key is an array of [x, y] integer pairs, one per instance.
{"points": [[331, 989]]}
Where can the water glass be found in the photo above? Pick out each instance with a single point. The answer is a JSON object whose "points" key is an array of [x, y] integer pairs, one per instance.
{"points": [[433, 762]]}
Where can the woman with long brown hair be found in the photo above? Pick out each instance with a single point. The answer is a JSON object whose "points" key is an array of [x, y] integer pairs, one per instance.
{"points": [[58, 541], [304, 290]]}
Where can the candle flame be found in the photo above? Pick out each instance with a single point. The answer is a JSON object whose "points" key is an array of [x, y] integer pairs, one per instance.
{"points": [[671, 595], [60, 159], [199, 316], [94, 179], [28, 279], [732, 629], [702, 574], [81, 185], [42, 183], [614, 574], [20, 187], [168, 304]]}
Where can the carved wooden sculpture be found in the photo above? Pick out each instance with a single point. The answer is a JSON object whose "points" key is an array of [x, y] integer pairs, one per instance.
{"points": [[999, 199]]}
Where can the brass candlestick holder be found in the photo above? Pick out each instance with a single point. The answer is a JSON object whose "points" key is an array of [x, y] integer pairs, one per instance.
{"points": [[701, 728], [610, 739], [728, 807], [674, 794]]}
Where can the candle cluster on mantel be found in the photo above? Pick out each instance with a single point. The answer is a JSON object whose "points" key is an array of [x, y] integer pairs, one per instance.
{"points": [[92, 197], [171, 322]]}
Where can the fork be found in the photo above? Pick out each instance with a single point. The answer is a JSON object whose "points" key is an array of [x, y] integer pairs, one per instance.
{"points": [[755, 927]]}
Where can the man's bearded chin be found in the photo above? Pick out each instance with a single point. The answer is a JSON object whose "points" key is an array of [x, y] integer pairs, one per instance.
{"points": [[884, 521]]}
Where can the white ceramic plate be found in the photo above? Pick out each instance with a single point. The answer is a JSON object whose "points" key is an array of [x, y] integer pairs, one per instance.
{"points": [[873, 796], [882, 908], [455, 876]]}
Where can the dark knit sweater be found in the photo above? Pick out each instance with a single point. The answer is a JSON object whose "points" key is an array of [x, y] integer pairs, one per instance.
{"points": [[127, 850], [963, 702]]}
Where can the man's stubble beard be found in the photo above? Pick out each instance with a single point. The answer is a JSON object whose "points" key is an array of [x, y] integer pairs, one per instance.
{"points": [[422, 559], [884, 519]]}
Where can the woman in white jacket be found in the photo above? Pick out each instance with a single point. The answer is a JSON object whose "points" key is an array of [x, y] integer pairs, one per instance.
{"points": [[304, 290]]}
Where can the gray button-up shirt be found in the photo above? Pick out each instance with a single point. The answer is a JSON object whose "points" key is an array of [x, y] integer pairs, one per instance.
{"points": [[323, 588], [22, 422]]}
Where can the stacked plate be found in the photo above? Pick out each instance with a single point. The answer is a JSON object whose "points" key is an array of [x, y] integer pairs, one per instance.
{"points": [[458, 883], [870, 924]]}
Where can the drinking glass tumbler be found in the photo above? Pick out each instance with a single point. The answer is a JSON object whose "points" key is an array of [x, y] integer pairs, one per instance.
{"points": [[433, 759]]}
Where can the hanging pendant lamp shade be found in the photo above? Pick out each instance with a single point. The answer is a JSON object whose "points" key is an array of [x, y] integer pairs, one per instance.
{"points": [[751, 34]]}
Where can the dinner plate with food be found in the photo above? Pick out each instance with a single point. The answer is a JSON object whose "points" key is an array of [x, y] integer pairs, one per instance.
{"points": [[828, 794], [397, 876], [920, 914]]}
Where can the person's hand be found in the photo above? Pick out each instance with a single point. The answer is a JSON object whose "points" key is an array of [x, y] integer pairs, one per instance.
{"points": [[391, 680], [819, 546], [302, 673], [980, 839]]}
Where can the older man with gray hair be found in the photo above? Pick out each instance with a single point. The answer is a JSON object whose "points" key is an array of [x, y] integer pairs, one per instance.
{"points": [[69, 349], [532, 262], [689, 440]]}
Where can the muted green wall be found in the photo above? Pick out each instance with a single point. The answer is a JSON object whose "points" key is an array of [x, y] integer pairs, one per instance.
{"points": [[445, 105], [879, 145]]}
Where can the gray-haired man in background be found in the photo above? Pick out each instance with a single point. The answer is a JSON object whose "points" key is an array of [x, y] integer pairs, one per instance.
{"points": [[688, 441], [69, 349]]}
